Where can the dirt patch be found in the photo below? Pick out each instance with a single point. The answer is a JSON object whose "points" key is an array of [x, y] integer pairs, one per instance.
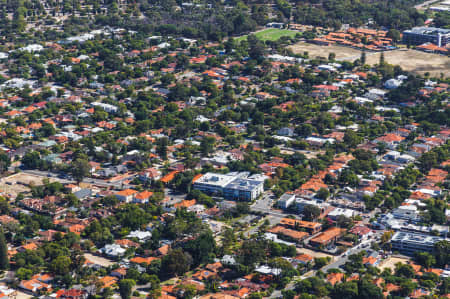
{"points": [[313, 253], [410, 60], [316, 51], [17, 183], [415, 61], [99, 260], [22, 295], [391, 261]]}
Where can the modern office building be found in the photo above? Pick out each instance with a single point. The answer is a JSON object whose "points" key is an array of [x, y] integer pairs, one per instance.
{"points": [[230, 186], [409, 243], [420, 35], [286, 200], [243, 189], [213, 183]]}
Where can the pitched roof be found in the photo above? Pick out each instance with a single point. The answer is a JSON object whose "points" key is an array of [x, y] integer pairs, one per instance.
{"points": [[143, 260], [108, 281], [334, 278], [144, 195], [328, 235], [297, 235], [126, 192]]}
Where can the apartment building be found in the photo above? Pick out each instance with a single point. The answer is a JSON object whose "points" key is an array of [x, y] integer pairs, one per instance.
{"points": [[409, 243], [231, 186], [420, 35]]}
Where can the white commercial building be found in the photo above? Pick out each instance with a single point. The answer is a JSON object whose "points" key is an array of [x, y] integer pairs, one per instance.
{"points": [[409, 243], [341, 212], [231, 186]]}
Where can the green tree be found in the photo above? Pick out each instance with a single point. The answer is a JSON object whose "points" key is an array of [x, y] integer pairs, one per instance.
{"points": [[126, 288], [256, 47], [394, 34], [161, 147], [310, 212], [320, 262], [404, 270], [5, 162], [382, 61], [348, 177], [31, 160], [207, 145], [425, 259], [61, 265], [252, 252], [176, 262], [363, 57], [345, 290], [351, 139], [407, 286], [323, 193], [4, 260], [80, 169], [202, 248], [23, 273], [368, 290], [331, 56], [442, 253]]}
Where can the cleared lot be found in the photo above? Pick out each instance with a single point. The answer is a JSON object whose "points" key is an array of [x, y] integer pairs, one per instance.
{"points": [[410, 60], [22, 295], [98, 260], [17, 183], [313, 253], [391, 261], [316, 51]]}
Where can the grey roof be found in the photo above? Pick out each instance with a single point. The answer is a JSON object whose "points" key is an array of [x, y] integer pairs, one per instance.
{"points": [[243, 184], [428, 31], [83, 193], [416, 238]]}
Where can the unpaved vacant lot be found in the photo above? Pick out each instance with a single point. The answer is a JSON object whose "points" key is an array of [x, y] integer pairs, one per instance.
{"points": [[98, 260], [391, 261], [316, 51], [22, 295], [313, 253], [410, 60], [17, 183]]}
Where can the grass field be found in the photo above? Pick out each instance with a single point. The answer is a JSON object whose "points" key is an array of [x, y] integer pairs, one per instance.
{"points": [[410, 60], [271, 34]]}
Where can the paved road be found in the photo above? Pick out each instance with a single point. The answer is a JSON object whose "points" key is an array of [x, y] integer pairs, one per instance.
{"points": [[424, 4], [339, 261], [264, 205]]}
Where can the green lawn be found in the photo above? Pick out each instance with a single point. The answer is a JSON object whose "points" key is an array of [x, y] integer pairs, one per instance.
{"points": [[271, 34]]}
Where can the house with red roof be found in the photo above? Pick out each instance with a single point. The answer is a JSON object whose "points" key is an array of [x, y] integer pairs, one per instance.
{"points": [[391, 140]]}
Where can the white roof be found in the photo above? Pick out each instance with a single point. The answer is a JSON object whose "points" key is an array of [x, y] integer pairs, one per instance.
{"points": [[363, 100], [141, 235], [378, 92], [340, 211], [201, 118], [113, 249], [215, 179], [267, 270], [32, 48]]}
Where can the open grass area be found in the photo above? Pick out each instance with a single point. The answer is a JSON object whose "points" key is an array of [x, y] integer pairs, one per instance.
{"points": [[271, 34], [410, 60]]}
